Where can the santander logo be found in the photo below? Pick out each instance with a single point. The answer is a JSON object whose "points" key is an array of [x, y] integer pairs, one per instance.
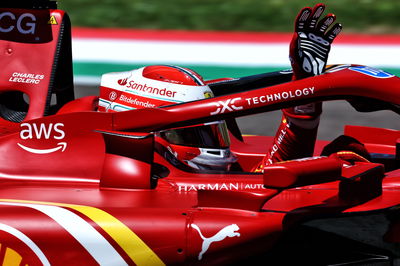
{"points": [[123, 82], [42, 131], [146, 88]]}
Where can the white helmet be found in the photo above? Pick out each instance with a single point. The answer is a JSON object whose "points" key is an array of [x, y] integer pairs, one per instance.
{"points": [[203, 146]]}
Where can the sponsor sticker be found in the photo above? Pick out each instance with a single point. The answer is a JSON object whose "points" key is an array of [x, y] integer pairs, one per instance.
{"points": [[42, 131], [208, 94], [231, 230], [24, 26], [280, 96], [122, 82], [226, 106], [370, 71], [236, 104], [237, 186], [149, 89], [135, 102], [112, 96], [53, 21], [27, 78]]}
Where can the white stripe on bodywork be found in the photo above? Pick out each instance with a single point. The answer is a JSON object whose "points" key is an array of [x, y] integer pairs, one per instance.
{"points": [[5, 177], [21, 236], [97, 246]]}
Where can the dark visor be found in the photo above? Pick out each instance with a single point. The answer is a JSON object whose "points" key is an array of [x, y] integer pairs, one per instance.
{"points": [[206, 136]]}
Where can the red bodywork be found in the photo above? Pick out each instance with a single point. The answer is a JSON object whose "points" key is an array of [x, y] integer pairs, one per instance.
{"points": [[79, 185]]}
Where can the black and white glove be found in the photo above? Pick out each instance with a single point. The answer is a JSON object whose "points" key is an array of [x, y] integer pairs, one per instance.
{"points": [[311, 42]]}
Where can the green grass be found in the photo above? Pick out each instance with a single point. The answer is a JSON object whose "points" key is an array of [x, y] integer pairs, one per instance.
{"points": [[372, 16]]}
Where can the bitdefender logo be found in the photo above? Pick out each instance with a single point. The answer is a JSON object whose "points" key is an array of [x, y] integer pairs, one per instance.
{"points": [[42, 131], [113, 96]]}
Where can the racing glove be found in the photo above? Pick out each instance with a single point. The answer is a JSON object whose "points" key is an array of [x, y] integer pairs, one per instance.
{"points": [[311, 41], [308, 54]]}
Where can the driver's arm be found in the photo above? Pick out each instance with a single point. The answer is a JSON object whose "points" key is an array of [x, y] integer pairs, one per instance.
{"points": [[309, 50]]}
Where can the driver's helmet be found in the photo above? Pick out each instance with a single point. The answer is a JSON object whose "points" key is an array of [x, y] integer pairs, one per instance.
{"points": [[204, 146]]}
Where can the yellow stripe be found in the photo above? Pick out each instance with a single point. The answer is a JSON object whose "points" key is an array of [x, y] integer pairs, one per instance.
{"points": [[136, 249]]}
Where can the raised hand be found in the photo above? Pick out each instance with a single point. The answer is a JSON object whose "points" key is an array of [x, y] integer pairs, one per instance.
{"points": [[311, 42]]}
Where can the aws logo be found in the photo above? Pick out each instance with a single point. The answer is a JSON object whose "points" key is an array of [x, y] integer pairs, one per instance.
{"points": [[42, 131]]}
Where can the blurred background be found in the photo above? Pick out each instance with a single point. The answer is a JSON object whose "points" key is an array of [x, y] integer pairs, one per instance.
{"points": [[230, 38], [368, 16]]}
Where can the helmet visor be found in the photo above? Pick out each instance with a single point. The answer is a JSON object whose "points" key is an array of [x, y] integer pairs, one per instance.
{"points": [[212, 135]]}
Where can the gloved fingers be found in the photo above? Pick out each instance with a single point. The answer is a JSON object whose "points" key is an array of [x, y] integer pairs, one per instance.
{"points": [[333, 32], [311, 42], [302, 18], [325, 23], [316, 14]]}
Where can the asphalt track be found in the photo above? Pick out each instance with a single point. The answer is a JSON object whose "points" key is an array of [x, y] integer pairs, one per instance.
{"points": [[335, 116]]}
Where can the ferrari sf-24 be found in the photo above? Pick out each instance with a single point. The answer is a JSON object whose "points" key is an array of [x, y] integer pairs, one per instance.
{"points": [[80, 186]]}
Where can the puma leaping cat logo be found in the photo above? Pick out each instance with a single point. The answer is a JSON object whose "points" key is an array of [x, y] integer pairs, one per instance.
{"points": [[227, 231]]}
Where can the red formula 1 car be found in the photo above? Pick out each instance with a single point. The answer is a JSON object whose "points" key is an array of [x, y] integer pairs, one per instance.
{"points": [[84, 187]]}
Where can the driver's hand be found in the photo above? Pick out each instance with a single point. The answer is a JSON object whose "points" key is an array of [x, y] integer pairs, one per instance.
{"points": [[311, 41]]}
